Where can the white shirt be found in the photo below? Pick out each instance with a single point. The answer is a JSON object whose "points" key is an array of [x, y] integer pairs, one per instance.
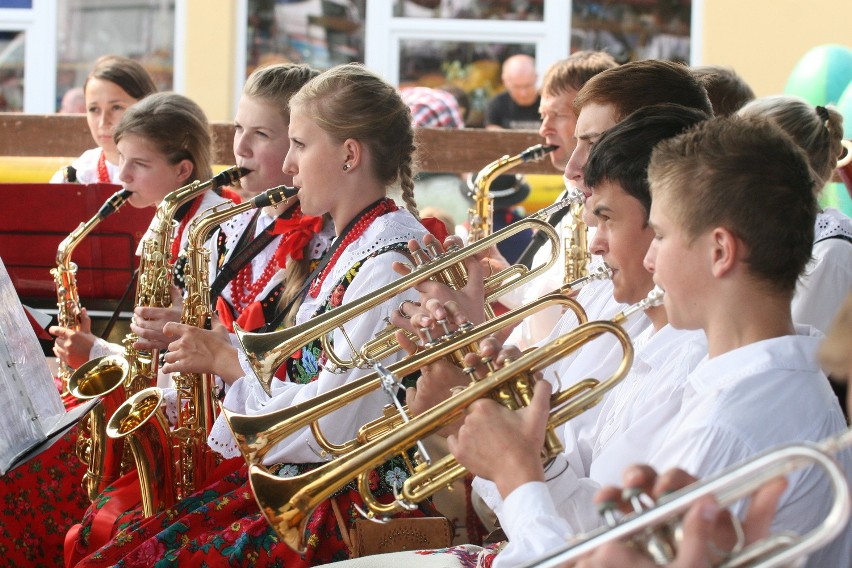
{"points": [[734, 406], [87, 169], [537, 327], [827, 279], [600, 445], [246, 395]]}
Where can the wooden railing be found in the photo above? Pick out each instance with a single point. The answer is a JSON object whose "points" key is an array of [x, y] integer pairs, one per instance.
{"points": [[440, 150]]}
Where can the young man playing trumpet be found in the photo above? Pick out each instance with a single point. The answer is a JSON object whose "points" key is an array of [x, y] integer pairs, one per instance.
{"points": [[733, 218], [664, 356]]}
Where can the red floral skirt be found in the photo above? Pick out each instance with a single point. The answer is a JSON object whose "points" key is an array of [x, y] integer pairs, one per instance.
{"points": [[219, 525]]}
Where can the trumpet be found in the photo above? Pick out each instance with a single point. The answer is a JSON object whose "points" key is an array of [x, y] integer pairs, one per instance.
{"points": [[287, 502], [256, 435], [729, 486], [268, 351], [481, 215]]}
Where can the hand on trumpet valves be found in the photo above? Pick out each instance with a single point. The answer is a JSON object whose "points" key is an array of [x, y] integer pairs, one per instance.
{"points": [[204, 351], [471, 294], [708, 533], [503, 445], [148, 323], [73, 346]]}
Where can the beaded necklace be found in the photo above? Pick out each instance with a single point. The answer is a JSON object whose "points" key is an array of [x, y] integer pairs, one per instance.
{"points": [[243, 290], [103, 173], [193, 209], [349, 235]]}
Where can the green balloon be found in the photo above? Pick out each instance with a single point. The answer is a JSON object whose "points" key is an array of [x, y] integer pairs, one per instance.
{"points": [[821, 75]]}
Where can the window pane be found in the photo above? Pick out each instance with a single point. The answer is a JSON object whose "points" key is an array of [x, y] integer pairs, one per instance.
{"points": [[12, 71], [139, 29], [472, 67], [634, 29], [532, 10], [321, 33]]}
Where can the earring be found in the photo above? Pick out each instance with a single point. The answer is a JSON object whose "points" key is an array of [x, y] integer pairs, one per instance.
{"points": [[346, 167]]}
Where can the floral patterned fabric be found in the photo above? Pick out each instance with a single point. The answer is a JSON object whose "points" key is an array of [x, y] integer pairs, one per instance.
{"points": [[221, 524], [41, 499]]}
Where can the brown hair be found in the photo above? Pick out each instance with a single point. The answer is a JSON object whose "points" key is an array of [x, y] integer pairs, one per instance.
{"points": [[177, 126], [276, 84], [819, 136], [124, 72], [727, 91], [634, 85], [748, 176], [575, 70], [348, 101]]}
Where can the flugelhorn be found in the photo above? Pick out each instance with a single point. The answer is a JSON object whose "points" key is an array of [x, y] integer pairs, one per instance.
{"points": [[257, 434], [288, 502], [481, 214], [728, 487], [268, 351]]}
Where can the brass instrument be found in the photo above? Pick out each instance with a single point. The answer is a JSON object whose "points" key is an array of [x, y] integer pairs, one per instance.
{"points": [[728, 486], [103, 455], [65, 273], [481, 215], [287, 502], [576, 245], [268, 351], [173, 464], [256, 435]]}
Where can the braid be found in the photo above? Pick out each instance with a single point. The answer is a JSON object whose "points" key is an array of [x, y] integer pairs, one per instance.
{"points": [[406, 182], [295, 274]]}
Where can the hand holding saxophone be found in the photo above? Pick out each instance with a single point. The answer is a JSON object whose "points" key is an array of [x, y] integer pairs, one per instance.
{"points": [[72, 346], [148, 322], [205, 351]]}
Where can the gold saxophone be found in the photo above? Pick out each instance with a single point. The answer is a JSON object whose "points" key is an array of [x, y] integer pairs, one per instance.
{"points": [[576, 245], [104, 456], [481, 216], [65, 273], [173, 464]]}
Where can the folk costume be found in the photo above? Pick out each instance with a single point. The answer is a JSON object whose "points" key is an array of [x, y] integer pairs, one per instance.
{"points": [[828, 276], [91, 167], [221, 523]]}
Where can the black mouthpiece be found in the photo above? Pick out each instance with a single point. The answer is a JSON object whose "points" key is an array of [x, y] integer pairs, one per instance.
{"points": [[274, 196], [112, 204], [537, 152], [229, 176]]}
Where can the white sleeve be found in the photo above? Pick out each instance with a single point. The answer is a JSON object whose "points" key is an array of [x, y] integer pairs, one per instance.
{"points": [[532, 525], [824, 285], [247, 396], [102, 347]]}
